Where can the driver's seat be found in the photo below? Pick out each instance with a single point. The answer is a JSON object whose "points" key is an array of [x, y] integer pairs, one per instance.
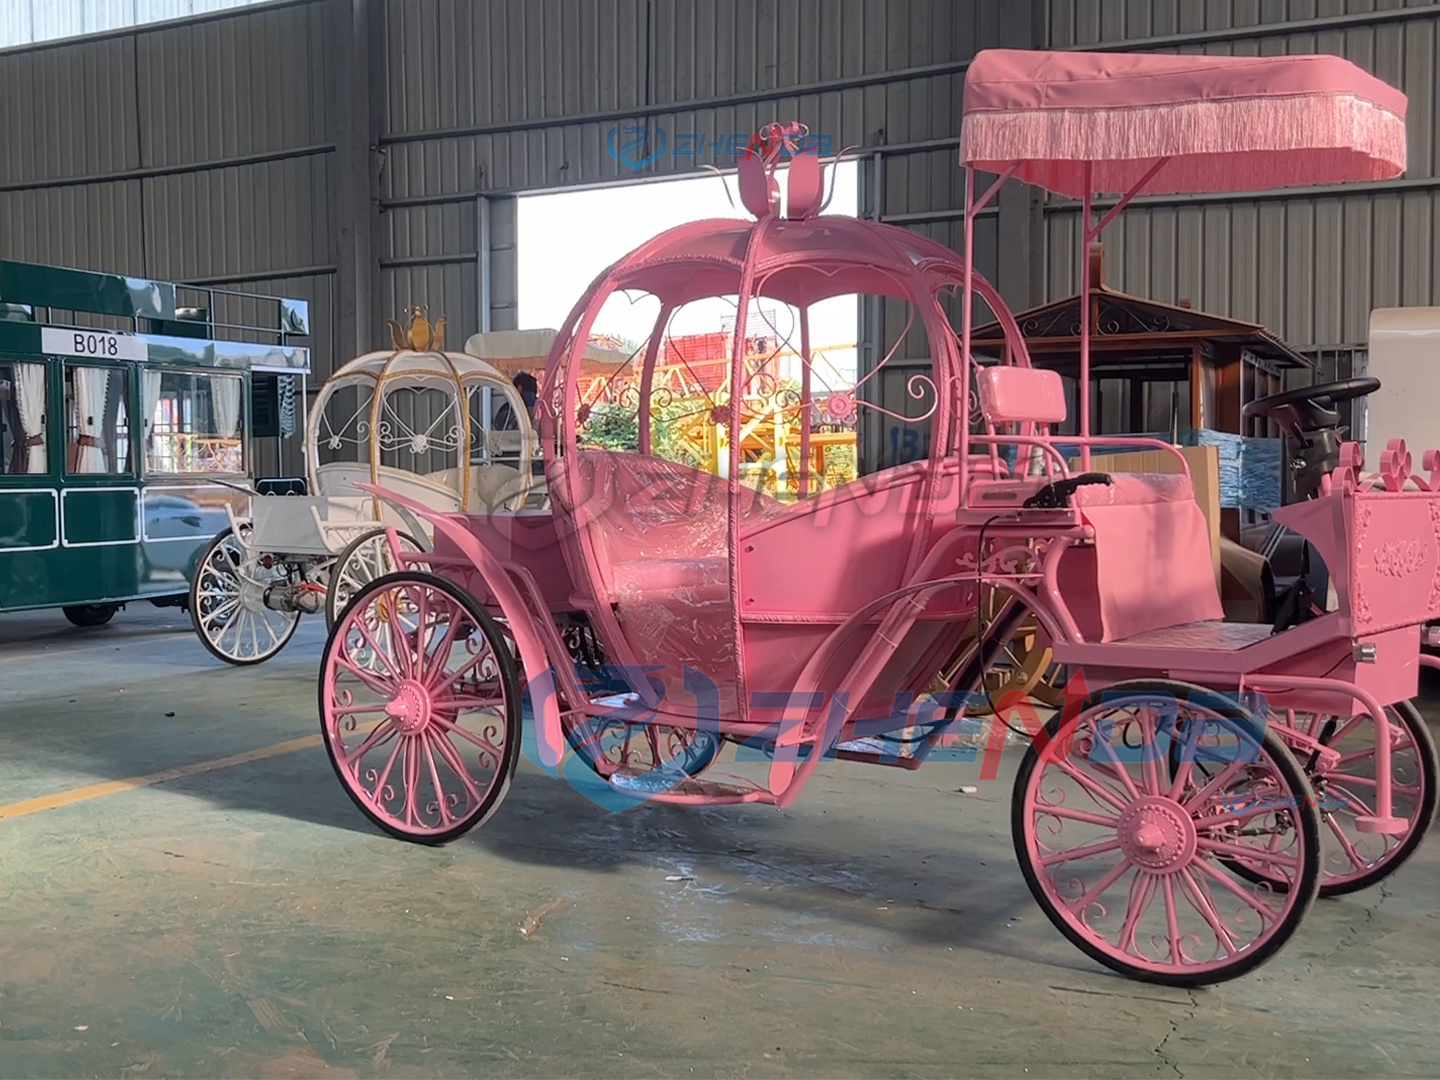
{"points": [[1294, 572]]}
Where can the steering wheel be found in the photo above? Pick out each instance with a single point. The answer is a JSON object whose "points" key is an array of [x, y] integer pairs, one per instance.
{"points": [[1311, 402]]}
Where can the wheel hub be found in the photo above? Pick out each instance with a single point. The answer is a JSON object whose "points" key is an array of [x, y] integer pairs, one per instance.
{"points": [[410, 707], [252, 595], [1156, 834]]}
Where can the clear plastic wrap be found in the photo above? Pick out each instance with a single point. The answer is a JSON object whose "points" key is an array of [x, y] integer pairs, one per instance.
{"points": [[659, 532]]}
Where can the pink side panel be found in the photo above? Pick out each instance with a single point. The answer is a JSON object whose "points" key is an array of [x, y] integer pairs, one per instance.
{"points": [[528, 540], [1394, 549], [803, 571], [1016, 394]]}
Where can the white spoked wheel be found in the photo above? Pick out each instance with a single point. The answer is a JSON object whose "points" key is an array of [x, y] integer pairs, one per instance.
{"points": [[365, 559], [227, 603]]}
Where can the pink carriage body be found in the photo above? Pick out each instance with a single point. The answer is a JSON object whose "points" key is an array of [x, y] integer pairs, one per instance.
{"points": [[802, 625]]}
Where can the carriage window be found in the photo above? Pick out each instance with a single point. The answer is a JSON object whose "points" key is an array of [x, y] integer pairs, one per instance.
{"points": [[97, 417], [22, 419], [496, 427], [193, 422]]}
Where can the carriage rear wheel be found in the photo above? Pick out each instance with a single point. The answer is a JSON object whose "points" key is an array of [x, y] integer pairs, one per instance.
{"points": [[227, 602], [640, 755], [1135, 863], [364, 559], [1353, 860], [420, 707]]}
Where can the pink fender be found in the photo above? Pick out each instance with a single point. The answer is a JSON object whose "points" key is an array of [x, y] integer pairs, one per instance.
{"points": [[539, 680]]}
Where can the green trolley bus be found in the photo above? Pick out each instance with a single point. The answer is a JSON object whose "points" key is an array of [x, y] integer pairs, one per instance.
{"points": [[98, 510]]}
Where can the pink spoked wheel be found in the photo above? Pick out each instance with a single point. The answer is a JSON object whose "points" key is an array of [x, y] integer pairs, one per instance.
{"points": [[1129, 858], [1353, 860], [420, 707]]}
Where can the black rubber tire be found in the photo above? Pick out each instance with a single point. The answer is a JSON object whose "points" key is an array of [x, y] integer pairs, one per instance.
{"points": [[1307, 822], [88, 615], [335, 607], [194, 608], [509, 677]]}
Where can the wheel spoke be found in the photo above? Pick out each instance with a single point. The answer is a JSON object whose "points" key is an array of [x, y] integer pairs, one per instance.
{"points": [[1085, 852], [370, 681], [1243, 851], [1198, 899], [1088, 783], [1172, 920], [1265, 911], [1219, 780], [440, 807], [1097, 890], [1142, 891], [1345, 843], [378, 736], [410, 777], [456, 762], [470, 736], [1068, 814], [1123, 773]]}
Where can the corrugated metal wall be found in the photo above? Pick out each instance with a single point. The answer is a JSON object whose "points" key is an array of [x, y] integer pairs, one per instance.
{"points": [[197, 151], [1309, 264]]}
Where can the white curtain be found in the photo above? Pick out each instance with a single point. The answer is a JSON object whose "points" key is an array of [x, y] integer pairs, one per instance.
{"points": [[91, 386], [30, 397], [149, 403], [225, 393]]}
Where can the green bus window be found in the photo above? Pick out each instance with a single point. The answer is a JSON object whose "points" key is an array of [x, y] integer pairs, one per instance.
{"points": [[22, 418], [97, 437], [193, 422]]}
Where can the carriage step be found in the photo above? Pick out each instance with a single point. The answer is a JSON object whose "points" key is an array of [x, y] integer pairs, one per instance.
{"points": [[1384, 826]]}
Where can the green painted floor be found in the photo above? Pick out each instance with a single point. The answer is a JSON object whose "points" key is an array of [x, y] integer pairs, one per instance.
{"points": [[248, 922]]}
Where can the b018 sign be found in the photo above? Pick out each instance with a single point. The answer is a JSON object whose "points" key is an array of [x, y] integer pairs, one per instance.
{"points": [[94, 344]]}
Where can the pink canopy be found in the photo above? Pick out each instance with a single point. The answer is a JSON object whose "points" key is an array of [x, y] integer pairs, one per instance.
{"points": [[1228, 123]]}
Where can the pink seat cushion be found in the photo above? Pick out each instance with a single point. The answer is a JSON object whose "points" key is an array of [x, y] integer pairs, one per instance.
{"points": [[1153, 567]]}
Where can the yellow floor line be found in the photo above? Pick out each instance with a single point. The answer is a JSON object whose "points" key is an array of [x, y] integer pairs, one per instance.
{"points": [[114, 787]]}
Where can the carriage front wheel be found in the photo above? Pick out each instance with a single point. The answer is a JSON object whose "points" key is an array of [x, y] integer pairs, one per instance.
{"points": [[227, 602], [1131, 851], [420, 707]]}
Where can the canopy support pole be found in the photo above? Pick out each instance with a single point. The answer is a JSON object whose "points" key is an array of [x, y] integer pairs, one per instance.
{"points": [[805, 404], [1089, 233], [1086, 234], [967, 306], [967, 302]]}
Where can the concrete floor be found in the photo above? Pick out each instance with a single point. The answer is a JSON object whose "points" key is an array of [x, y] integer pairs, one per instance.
{"points": [[247, 921]]}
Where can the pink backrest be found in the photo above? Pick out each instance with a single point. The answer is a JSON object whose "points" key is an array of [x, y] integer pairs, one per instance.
{"points": [[1150, 566], [1016, 395]]}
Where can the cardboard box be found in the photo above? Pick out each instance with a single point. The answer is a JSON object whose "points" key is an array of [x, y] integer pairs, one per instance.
{"points": [[1204, 463]]}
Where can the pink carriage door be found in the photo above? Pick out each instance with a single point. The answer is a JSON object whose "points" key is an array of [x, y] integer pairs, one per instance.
{"points": [[639, 481]]}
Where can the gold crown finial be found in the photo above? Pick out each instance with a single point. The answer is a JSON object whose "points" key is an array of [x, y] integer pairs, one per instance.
{"points": [[418, 334]]}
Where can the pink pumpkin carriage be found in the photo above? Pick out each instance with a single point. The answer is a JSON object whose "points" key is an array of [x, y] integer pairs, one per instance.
{"points": [[1166, 819]]}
